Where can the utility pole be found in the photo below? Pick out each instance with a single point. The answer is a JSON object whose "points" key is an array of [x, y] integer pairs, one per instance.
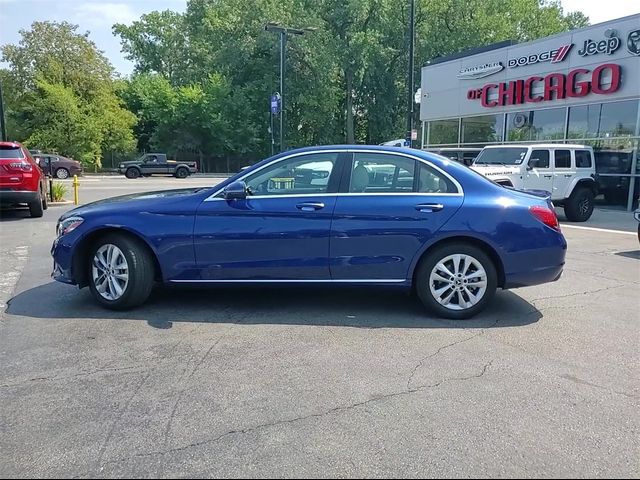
{"points": [[410, 93], [3, 125], [284, 31]]}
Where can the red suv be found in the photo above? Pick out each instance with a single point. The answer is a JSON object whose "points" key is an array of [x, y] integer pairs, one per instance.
{"points": [[21, 179]]}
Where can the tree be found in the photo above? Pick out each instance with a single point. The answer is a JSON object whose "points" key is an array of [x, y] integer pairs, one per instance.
{"points": [[61, 94], [157, 44]]}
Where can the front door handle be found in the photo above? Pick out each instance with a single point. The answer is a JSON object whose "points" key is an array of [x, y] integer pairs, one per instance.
{"points": [[310, 206], [429, 207], [548, 176]]}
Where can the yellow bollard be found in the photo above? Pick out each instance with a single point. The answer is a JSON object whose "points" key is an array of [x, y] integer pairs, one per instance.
{"points": [[76, 185]]}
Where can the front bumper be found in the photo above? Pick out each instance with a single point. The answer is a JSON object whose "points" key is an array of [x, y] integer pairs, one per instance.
{"points": [[62, 262], [17, 196]]}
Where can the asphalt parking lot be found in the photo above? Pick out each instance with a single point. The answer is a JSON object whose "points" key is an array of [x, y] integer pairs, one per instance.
{"points": [[318, 383]]}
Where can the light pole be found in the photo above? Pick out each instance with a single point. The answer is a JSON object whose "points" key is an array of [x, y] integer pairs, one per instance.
{"points": [[410, 93], [3, 125], [283, 31]]}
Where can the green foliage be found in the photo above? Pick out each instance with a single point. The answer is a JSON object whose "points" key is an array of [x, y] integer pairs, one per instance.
{"points": [[61, 96], [59, 191]]}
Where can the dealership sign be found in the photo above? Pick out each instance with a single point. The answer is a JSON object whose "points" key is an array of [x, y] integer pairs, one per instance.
{"points": [[553, 56], [555, 86], [610, 44], [471, 73]]}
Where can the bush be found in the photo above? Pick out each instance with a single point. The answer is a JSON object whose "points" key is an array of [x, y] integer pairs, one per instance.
{"points": [[59, 191]]}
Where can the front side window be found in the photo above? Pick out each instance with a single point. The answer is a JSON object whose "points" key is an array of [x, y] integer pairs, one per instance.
{"points": [[501, 156], [306, 174], [381, 173], [539, 159], [562, 159]]}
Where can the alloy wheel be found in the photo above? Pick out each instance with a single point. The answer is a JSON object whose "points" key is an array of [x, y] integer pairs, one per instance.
{"points": [[110, 272], [458, 282]]}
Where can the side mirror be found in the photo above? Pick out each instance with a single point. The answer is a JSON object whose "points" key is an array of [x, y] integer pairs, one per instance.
{"points": [[235, 191], [533, 163]]}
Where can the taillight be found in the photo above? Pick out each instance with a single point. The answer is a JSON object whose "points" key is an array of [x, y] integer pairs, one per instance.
{"points": [[21, 166], [546, 216]]}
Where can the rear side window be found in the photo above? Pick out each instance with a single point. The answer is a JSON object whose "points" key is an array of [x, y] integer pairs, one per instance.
{"points": [[10, 152], [432, 181], [381, 173], [583, 159], [563, 159]]}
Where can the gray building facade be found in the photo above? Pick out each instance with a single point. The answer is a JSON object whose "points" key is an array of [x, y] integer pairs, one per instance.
{"points": [[581, 86]]}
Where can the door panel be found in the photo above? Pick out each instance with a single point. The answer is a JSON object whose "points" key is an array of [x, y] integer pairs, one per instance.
{"points": [[393, 207], [540, 177], [377, 236], [264, 238], [563, 171]]}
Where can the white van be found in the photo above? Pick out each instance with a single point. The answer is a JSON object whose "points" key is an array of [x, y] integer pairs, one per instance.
{"points": [[567, 172]]}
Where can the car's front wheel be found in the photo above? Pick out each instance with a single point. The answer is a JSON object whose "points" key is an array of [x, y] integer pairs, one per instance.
{"points": [[121, 272], [132, 173], [182, 173], [456, 280]]}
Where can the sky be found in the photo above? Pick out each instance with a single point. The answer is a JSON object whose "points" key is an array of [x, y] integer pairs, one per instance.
{"points": [[97, 16]]}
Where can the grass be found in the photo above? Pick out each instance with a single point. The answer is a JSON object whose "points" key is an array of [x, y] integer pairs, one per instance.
{"points": [[59, 191]]}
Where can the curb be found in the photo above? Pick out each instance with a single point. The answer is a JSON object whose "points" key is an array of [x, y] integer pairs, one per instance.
{"points": [[60, 204]]}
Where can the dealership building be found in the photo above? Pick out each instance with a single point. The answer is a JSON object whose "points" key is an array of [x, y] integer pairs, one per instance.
{"points": [[581, 87]]}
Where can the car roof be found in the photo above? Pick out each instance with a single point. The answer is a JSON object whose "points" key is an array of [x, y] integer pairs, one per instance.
{"points": [[539, 145], [10, 144]]}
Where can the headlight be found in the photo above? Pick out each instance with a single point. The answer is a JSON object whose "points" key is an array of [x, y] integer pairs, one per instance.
{"points": [[122, 165], [68, 225]]}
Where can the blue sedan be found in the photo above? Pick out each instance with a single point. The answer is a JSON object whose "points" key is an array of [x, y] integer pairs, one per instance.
{"points": [[357, 215]]}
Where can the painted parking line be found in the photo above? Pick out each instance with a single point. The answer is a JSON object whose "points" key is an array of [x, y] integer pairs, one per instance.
{"points": [[595, 229]]}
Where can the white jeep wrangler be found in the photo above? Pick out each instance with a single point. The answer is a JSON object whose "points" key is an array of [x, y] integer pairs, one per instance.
{"points": [[565, 171]]}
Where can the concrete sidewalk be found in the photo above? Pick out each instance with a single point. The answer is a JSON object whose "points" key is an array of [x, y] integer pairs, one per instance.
{"points": [[605, 218]]}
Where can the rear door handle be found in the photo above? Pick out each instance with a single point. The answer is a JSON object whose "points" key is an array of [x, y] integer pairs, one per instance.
{"points": [[310, 206], [429, 207], [548, 176], [568, 175]]}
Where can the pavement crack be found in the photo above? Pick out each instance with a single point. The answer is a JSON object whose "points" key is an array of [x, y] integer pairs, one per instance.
{"points": [[330, 411], [580, 381], [577, 294]]}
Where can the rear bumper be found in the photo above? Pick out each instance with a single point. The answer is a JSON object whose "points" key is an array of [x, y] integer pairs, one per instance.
{"points": [[534, 277], [17, 196]]}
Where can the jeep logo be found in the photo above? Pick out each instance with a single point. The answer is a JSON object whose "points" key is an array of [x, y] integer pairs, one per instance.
{"points": [[609, 45]]}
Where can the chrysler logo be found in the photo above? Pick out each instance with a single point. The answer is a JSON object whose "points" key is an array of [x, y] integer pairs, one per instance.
{"points": [[471, 73]]}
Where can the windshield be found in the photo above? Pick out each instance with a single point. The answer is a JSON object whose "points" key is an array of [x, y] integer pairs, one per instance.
{"points": [[501, 156]]}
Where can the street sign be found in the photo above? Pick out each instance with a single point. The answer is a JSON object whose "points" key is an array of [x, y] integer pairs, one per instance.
{"points": [[275, 104], [414, 134], [418, 96]]}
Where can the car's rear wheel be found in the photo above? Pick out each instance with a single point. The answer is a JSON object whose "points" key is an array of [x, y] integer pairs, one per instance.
{"points": [[45, 204], [121, 272], [579, 205], [456, 280], [132, 173], [36, 207], [62, 173], [182, 172]]}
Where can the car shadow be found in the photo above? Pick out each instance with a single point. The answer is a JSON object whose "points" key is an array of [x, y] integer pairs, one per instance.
{"points": [[630, 254], [343, 307], [13, 214]]}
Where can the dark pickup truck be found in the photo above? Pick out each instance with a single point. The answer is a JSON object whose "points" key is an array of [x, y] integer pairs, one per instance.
{"points": [[156, 164]]}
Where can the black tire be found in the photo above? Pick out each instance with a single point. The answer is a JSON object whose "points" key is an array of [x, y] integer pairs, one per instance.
{"points": [[638, 232], [182, 172], [140, 268], [435, 256], [579, 206], [36, 207], [132, 172], [45, 204], [62, 173]]}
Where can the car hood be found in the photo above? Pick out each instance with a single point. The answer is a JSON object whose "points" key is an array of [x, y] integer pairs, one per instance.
{"points": [[151, 200], [496, 170]]}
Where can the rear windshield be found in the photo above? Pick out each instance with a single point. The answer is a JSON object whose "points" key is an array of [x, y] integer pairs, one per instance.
{"points": [[10, 152], [501, 156]]}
